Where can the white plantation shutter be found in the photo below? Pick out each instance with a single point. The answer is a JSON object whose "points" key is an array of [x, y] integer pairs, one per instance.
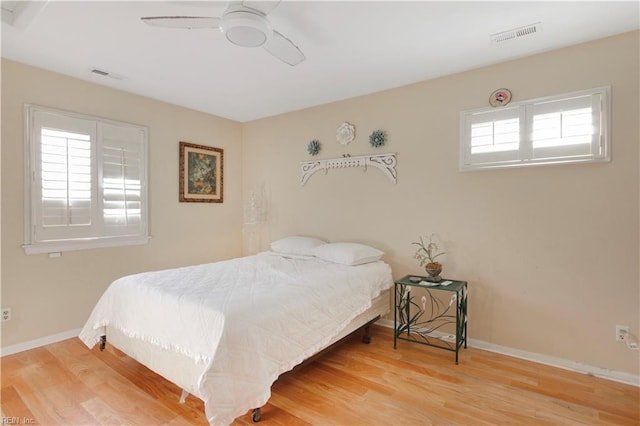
{"points": [[566, 128], [62, 179], [494, 136], [65, 167], [123, 174], [87, 182]]}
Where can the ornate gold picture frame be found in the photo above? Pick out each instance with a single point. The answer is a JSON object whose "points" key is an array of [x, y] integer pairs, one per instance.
{"points": [[201, 173]]}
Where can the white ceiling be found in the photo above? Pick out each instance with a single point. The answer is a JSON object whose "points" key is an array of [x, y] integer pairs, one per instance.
{"points": [[351, 48]]}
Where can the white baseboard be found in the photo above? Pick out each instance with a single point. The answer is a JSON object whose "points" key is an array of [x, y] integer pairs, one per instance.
{"points": [[617, 376], [32, 344]]}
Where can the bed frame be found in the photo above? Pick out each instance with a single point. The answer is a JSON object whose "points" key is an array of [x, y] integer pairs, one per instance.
{"points": [[184, 372]]}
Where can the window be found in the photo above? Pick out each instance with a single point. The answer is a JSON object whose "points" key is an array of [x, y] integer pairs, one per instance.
{"points": [[86, 182], [568, 128]]}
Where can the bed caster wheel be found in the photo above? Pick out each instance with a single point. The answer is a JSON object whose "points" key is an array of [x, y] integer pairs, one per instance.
{"points": [[366, 339], [256, 415], [103, 343]]}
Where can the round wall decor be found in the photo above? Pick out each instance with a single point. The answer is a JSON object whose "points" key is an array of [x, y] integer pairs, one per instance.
{"points": [[377, 138], [500, 97], [345, 133], [313, 148]]}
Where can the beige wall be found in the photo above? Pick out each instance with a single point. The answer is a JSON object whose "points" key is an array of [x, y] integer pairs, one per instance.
{"points": [[50, 296], [550, 253]]}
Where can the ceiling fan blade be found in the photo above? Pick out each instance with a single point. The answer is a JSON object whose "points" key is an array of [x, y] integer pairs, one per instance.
{"points": [[183, 22], [197, 3], [284, 49], [264, 6]]}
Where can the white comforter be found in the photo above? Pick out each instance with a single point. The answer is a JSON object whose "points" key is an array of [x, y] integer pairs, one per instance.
{"points": [[248, 319]]}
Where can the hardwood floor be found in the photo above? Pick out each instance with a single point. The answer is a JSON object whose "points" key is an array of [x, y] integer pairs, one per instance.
{"points": [[351, 384]]}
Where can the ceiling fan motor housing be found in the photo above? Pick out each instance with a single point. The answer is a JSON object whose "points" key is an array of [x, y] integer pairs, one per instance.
{"points": [[245, 28]]}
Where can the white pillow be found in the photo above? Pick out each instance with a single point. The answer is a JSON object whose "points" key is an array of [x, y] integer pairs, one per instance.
{"points": [[348, 253], [296, 245]]}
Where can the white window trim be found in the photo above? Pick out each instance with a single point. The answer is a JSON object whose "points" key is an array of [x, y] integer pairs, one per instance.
{"points": [[52, 247], [524, 153], [81, 244]]}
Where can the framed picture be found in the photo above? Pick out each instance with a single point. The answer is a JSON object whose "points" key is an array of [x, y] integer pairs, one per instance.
{"points": [[201, 173]]}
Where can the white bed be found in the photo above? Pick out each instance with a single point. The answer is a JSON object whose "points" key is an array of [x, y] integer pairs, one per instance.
{"points": [[225, 331]]}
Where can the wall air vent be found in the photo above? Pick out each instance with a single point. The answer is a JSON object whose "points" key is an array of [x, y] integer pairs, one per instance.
{"points": [[516, 33], [104, 73]]}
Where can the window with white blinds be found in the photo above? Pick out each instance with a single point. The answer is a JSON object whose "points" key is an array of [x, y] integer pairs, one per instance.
{"points": [[86, 182], [571, 127]]}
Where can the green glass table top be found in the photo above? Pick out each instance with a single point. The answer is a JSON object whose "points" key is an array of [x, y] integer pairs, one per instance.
{"points": [[420, 281]]}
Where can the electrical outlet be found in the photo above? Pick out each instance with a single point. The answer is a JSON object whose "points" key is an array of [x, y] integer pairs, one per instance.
{"points": [[6, 314], [621, 332]]}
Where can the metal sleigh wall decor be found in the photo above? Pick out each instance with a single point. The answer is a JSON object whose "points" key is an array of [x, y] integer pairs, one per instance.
{"points": [[384, 162]]}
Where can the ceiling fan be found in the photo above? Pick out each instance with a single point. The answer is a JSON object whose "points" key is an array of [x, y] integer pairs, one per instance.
{"points": [[244, 23]]}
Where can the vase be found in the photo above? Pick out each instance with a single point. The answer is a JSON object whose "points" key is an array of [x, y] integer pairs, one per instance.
{"points": [[433, 270]]}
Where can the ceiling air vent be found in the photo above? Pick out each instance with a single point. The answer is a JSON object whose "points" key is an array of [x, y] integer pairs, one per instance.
{"points": [[516, 33], [106, 74]]}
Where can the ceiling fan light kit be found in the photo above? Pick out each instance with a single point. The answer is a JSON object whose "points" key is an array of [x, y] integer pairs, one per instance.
{"points": [[244, 24], [245, 28]]}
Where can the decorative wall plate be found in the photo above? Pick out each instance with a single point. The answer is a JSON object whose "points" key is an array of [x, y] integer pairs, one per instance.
{"points": [[500, 97], [345, 133]]}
